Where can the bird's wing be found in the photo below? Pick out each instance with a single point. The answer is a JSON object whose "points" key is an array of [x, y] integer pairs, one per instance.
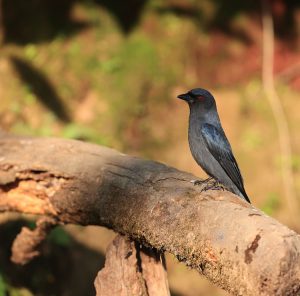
{"points": [[219, 147]]}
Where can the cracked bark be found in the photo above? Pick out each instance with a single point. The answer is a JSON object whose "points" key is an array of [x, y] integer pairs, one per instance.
{"points": [[131, 270], [234, 245]]}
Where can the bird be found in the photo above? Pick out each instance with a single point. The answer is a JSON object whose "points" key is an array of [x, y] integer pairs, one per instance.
{"points": [[208, 143]]}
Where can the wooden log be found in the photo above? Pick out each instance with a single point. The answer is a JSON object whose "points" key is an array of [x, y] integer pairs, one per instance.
{"points": [[234, 245]]}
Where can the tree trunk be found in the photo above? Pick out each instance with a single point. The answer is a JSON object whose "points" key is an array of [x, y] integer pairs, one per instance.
{"points": [[132, 270]]}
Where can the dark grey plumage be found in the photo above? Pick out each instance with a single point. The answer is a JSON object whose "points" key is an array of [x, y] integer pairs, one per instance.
{"points": [[208, 143]]}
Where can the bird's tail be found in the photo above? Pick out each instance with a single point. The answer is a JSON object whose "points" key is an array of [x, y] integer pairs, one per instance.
{"points": [[244, 195]]}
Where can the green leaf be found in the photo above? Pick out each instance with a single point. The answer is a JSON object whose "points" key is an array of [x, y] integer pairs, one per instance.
{"points": [[60, 237], [2, 286], [272, 204]]}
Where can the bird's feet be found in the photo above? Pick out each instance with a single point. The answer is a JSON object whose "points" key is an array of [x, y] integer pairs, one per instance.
{"points": [[201, 182], [213, 185], [209, 184]]}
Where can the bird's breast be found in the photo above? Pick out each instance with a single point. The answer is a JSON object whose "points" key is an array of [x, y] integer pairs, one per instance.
{"points": [[198, 147]]}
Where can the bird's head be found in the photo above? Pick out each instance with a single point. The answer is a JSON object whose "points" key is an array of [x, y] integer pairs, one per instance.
{"points": [[198, 97]]}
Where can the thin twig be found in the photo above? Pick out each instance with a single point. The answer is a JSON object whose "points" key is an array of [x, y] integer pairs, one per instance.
{"points": [[277, 108]]}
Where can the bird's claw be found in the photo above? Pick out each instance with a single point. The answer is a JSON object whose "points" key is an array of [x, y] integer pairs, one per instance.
{"points": [[197, 182], [209, 184], [214, 185], [200, 182]]}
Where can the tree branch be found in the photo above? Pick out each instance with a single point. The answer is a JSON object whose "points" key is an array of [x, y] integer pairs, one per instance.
{"points": [[27, 243], [234, 245]]}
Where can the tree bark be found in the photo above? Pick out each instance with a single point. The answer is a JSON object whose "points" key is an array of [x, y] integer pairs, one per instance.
{"points": [[131, 270], [27, 243], [234, 245]]}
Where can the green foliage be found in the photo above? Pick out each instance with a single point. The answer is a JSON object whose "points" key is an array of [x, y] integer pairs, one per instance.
{"points": [[252, 139], [2, 286], [81, 132], [272, 204], [8, 290], [60, 237], [45, 129], [111, 65], [30, 51], [130, 74], [31, 224], [296, 162], [19, 292]]}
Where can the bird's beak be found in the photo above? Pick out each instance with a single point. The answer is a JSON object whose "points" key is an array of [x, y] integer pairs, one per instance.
{"points": [[186, 97]]}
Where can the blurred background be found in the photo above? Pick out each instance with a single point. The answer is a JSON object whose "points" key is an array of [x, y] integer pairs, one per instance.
{"points": [[109, 72]]}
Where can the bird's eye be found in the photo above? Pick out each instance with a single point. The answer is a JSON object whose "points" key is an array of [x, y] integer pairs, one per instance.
{"points": [[200, 98]]}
